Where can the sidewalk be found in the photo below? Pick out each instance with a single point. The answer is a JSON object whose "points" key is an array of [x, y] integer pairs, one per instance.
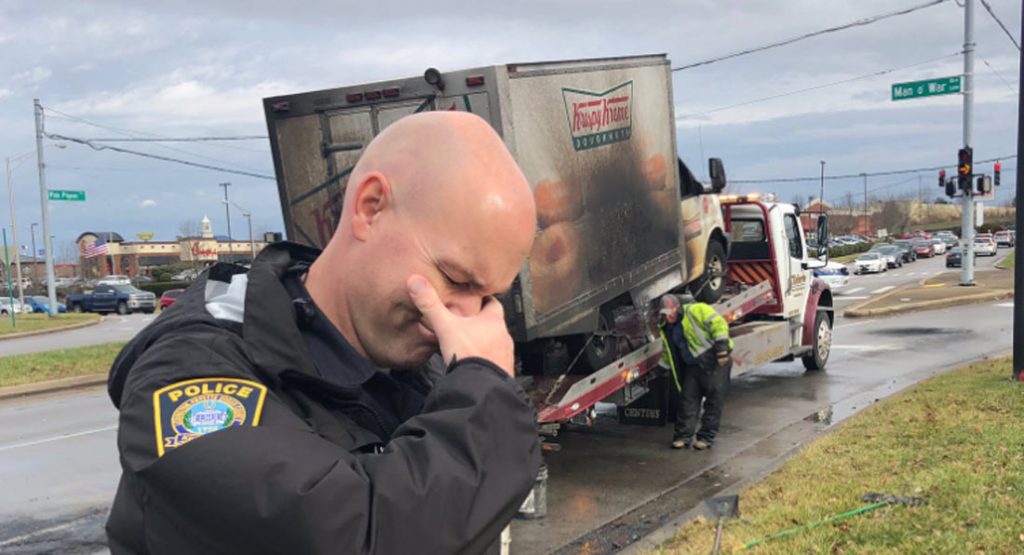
{"points": [[938, 292]]}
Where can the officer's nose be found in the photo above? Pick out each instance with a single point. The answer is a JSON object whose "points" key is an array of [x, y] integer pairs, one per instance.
{"points": [[465, 304]]}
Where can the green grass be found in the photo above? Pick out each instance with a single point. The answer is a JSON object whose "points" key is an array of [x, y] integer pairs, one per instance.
{"points": [[35, 322], [52, 365], [1008, 262], [845, 259], [955, 440]]}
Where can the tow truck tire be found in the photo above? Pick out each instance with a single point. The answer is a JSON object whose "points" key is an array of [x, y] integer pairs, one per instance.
{"points": [[817, 357], [711, 284], [122, 308], [598, 352]]}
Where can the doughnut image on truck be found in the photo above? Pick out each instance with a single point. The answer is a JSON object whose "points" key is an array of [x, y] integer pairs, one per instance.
{"points": [[621, 220]]}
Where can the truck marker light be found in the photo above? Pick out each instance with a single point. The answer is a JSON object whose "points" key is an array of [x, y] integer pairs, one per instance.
{"points": [[354, 97], [475, 81], [283, 106], [391, 93], [373, 95]]}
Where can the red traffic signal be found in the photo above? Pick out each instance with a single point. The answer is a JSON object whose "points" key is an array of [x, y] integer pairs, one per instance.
{"points": [[942, 178], [996, 172]]}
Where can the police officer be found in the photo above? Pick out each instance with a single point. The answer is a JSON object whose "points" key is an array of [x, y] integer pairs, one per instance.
{"points": [[698, 337], [290, 408]]}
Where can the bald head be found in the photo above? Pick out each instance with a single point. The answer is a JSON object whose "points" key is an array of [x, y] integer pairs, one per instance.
{"points": [[435, 194]]}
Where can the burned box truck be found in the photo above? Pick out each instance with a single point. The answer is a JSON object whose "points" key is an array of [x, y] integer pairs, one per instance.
{"points": [[596, 141]]}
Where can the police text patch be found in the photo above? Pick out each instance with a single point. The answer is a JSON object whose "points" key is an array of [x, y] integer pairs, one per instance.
{"points": [[186, 410]]}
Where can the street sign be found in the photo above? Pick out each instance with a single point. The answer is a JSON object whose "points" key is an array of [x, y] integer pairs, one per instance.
{"points": [[57, 194], [930, 87]]}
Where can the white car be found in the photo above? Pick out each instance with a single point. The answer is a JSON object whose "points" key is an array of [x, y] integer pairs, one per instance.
{"points": [[836, 275], [985, 247], [940, 246], [7, 307], [872, 262], [114, 280]]}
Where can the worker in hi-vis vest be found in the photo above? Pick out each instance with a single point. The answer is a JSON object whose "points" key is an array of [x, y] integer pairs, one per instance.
{"points": [[698, 353]]}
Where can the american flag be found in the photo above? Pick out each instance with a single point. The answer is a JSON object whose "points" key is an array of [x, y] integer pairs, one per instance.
{"points": [[98, 248]]}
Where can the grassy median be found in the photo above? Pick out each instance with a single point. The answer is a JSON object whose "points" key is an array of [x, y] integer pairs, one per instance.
{"points": [[1008, 262], [52, 365], [35, 322], [954, 440]]}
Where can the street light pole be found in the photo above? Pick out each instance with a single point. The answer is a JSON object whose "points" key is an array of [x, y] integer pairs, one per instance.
{"points": [[35, 253], [227, 212], [51, 290], [14, 234], [247, 214], [967, 202], [865, 176], [821, 197]]}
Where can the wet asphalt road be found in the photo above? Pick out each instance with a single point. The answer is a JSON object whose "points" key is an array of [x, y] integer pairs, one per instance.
{"points": [[58, 460]]}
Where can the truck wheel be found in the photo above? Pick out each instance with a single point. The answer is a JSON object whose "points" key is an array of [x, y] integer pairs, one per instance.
{"points": [[75, 307], [817, 358], [122, 308], [711, 284], [599, 352]]}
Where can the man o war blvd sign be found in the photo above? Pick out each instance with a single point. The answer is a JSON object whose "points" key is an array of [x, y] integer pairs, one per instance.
{"points": [[57, 194], [931, 87]]}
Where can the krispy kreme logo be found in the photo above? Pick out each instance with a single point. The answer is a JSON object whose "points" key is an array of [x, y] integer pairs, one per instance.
{"points": [[597, 119]]}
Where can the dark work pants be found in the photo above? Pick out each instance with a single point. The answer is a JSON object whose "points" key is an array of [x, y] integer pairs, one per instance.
{"points": [[707, 386]]}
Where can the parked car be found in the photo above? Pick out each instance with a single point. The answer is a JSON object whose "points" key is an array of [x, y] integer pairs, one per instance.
{"points": [[1004, 239], [924, 249], [185, 275], [7, 306], [938, 245], [892, 254], [954, 258], [872, 262], [141, 279], [985, 246], [836, 275], [123, 299], [907, 246], [39, 303], [114, 280], [169, 296]]}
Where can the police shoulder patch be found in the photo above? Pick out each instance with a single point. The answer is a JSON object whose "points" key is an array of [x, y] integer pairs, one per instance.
{"points": [[189, 409]]}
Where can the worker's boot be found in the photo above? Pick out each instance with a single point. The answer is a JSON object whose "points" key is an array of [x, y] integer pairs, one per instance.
{"points": [[680, 442], [701, 445]]}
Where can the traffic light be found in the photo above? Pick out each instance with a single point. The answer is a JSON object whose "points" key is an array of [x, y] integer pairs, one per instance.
{"points": [[965, 166], [942, 178], [995, 173], [984, 184], [951, 188]]}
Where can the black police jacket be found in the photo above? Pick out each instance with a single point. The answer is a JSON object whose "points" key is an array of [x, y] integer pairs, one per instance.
{"points": [[230, 442]]}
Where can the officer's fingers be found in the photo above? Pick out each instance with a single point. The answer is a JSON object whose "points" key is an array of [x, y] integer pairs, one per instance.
{"points": [[492, 309], [436, 316]]}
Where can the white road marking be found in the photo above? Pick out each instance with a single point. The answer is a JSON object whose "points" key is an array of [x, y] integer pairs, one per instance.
{"points": [[866, 347], [1005, 305], [850, 325], [854, 290], [846, 298], [56, 438], [30, 535], [883, 289], [896, 275]]}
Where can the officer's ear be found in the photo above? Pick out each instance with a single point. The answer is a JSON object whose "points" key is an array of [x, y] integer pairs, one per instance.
{"points": [[372, 196]]}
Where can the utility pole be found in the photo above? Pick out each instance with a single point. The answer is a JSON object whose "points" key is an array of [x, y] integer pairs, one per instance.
{"points": [[865, 176], [227, 212], [35, 253], [14, 234], [51, 289], [821, 196], [967, 201], [1018, 270], [252, 244]]}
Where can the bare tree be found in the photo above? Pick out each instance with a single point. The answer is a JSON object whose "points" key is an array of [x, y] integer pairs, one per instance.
{"points": [[188, 228], [894, 215]]}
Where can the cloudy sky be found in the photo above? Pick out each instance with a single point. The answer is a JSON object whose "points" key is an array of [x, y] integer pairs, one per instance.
{"points": [[107, 68]]}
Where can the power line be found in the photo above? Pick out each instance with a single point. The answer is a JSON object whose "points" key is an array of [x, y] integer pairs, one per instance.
{"points": [[861, 175], [1003, 27], [177, 139], [88, 143], [816, 87], [858, 23], [1000, 76]]}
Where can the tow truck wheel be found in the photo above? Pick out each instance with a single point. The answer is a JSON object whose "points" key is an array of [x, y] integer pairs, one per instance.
{"points": [[711, 284], [817, 358]]}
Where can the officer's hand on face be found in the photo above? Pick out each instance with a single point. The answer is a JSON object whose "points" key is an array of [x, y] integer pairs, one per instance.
{"points": [[483, 335]]}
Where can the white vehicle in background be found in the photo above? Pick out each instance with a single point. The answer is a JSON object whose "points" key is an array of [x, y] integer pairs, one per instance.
{"points": [[7, 306], [985, 246], [939, 244], [114, 280], [871, 262], [836, 275]]}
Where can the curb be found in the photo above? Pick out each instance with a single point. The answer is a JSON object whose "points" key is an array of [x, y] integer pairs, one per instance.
{"points": [[51, 386], [857, 312], [51, 330]]}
